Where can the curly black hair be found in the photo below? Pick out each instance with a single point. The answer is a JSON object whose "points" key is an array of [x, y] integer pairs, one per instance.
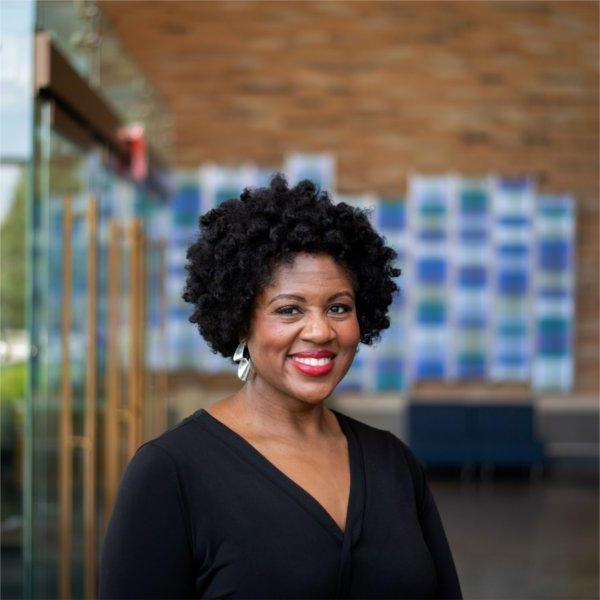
{"points": [[243, 240]]}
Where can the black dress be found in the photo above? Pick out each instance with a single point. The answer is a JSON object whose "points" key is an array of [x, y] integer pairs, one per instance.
{"points": [[201, 513]]}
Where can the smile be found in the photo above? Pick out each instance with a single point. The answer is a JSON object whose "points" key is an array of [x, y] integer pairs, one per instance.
{"points": [[313, 366], [312, 361]]}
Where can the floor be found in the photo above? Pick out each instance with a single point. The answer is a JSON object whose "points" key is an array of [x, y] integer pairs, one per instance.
{"points": [[513, 538]]}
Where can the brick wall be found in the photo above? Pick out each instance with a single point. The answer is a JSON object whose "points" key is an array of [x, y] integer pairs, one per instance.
{"points": [[390, 88]]}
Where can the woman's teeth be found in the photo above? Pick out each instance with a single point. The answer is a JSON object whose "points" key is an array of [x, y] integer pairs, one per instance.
{"points": [[315, 362]]}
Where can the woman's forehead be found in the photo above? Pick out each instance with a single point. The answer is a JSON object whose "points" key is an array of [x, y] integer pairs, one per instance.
{"points": [[309, 268], [308, 275]]}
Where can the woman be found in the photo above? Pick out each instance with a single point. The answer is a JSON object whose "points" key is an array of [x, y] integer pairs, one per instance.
{"points": [[267, 493]]}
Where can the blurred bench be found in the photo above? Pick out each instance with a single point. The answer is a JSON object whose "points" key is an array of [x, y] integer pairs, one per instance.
{"points": [[474, 435]]}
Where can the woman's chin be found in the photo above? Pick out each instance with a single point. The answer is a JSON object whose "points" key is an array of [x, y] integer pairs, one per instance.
{"points": [[313, 392]]}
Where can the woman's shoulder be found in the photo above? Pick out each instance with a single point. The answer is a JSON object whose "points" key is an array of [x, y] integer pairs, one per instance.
{"points": [[180, 441], [382, 442]]}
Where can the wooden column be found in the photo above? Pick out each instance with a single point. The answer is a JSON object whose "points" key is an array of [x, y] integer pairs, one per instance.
{"points": [[65, 467], [112, 440], [163, 384], [89, 443], [135, 338]]}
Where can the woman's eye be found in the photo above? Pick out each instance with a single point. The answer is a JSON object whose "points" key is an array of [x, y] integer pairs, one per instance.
{"points": [[345, 308], [338, 309]]}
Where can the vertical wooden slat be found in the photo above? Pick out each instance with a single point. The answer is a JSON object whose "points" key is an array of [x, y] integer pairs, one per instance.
{"points": [[142, 338], [65, 487], [111, 431], [163, 390], [89, 446], [134, 379]]}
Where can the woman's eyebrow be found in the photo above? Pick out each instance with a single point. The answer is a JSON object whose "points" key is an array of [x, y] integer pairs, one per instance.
{"points": [[302, 299]]}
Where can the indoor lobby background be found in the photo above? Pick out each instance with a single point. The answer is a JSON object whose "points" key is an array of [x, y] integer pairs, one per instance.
{"points": [[470, 132]]}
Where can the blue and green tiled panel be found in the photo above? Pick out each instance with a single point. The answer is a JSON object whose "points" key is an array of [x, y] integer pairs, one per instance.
{"points": [[155, 351], [363, 373], [392, 349], [364, 202], [430, 204], [196, 194], [186, 348], [218, 184], [115, 200], [47, 289], [390, 216], [513, 204], [181, 340], [380, 367], [318, 168], [158, 227], [355, 379], [186, 207], [471, 297], [361, 377], [554, 293], [185, 203], [262, 176], [144, 201]]}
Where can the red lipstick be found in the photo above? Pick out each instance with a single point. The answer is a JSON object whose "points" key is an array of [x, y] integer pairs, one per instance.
{"points": [[313, 370]]}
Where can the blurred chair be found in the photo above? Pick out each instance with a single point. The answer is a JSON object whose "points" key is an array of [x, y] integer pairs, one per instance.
{"points": [[474, 435]]}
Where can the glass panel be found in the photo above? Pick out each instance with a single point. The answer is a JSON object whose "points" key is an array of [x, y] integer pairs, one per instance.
{"points": [[60, 171], [13, 369], [16, 117], [39, 170], [69, 177]]}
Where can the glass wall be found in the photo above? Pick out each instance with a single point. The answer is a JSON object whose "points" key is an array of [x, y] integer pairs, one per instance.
{"points": [[94, 262], [16, 141], [82, 338]]}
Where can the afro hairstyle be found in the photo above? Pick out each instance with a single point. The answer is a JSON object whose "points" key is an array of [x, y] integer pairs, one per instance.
{"points": [[243, 240]]}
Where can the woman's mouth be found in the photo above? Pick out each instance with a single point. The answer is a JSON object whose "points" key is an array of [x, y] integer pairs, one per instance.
{"points": [[313, 366]]}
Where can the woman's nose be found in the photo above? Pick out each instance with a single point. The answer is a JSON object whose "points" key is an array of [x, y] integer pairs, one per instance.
{"points": [[318, 329]]}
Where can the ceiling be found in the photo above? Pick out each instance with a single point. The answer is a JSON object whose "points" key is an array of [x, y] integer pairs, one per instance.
{"points": [[388, 87]]}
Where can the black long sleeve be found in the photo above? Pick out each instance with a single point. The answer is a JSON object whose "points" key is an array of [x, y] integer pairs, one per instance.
{"points": [[147, 550]]}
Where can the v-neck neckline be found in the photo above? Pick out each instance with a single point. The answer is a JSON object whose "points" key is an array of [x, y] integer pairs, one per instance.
{"points": [[301, 495]]}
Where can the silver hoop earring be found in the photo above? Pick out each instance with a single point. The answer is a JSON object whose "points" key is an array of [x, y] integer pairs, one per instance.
{"points": [[244, 364]]}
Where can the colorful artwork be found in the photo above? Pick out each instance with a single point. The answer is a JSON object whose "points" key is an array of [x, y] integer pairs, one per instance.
{"points": [[471, 297], [513, 204], [554, 282], [487, 283], [427, 279], [318, 168], [185, 347]]}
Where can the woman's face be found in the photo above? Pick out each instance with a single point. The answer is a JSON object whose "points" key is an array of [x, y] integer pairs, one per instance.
{"points": [[309, 310]]}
